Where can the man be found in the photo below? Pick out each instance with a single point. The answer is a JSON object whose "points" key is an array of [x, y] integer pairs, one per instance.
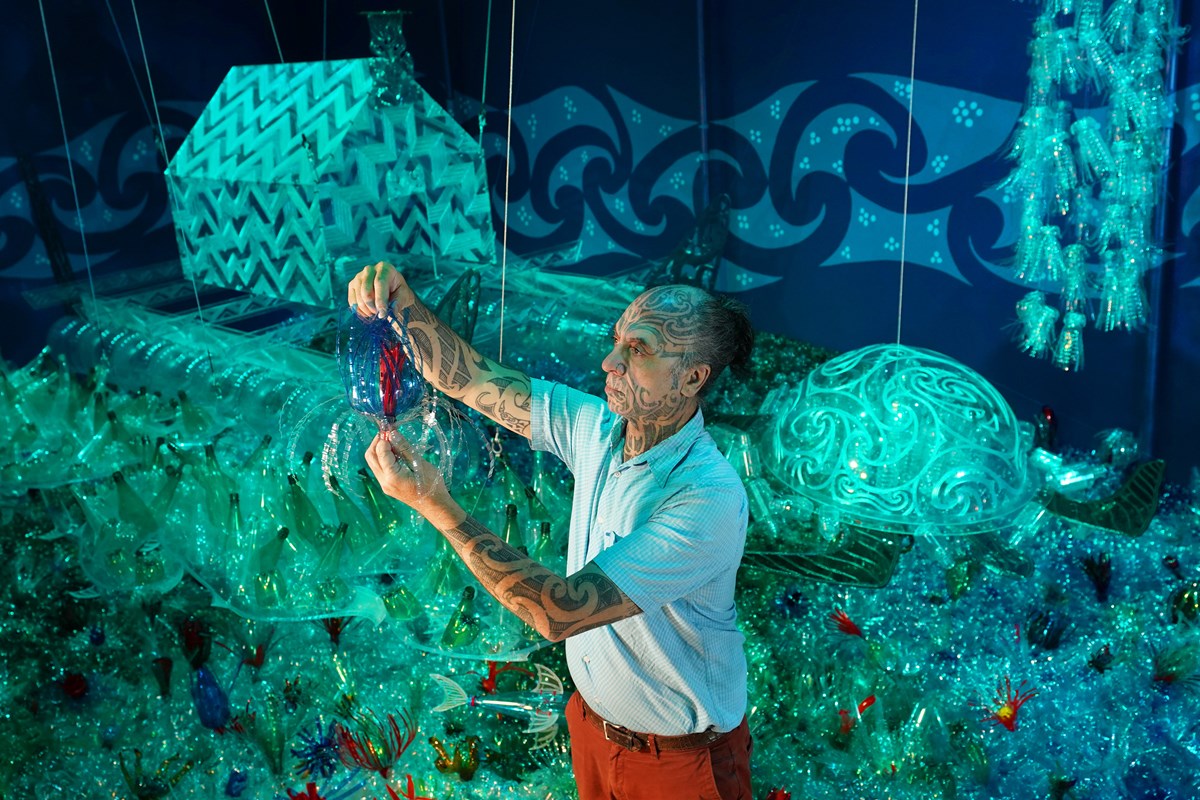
{"points": [[657, 530]]}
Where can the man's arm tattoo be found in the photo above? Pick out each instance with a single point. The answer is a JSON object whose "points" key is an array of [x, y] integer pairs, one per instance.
{"points": [[556, 607], [456, 368]]}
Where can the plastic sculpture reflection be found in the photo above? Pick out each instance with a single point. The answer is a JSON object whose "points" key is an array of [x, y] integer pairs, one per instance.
{"points": [[904, 440]]}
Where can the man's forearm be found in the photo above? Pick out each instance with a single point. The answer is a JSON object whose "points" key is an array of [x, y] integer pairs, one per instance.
{"points": [[458, 370], [554, 606]]}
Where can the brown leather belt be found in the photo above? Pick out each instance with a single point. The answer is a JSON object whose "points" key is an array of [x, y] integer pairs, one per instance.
{"points": [[632, 740]]}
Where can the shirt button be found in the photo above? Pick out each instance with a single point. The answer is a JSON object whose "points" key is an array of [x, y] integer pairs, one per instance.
{"points": [[587, 659]]}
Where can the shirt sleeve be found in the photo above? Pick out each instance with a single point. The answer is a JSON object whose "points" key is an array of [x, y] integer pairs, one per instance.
{"points": [[560, 416], [689, 541]]}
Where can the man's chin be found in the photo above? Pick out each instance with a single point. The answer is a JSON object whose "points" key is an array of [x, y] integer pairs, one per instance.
{"points": [[616, 402]]}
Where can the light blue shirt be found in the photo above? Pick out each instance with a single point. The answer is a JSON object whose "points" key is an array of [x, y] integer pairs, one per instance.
{"points": [[668, 527]]}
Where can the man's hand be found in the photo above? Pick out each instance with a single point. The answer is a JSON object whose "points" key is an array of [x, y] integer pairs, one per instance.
{"points": [[445, 359], [556, 607], [412, 480], [375, 288]]}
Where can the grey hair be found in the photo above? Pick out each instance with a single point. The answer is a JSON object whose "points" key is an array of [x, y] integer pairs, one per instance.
{"points": [[725, 338]]}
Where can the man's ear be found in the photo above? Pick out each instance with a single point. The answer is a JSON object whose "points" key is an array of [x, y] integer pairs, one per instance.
{"points": [[694, 380]]}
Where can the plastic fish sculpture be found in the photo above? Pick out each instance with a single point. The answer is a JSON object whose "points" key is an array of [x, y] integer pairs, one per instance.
{"points": [[212, 703], [540, 706]]}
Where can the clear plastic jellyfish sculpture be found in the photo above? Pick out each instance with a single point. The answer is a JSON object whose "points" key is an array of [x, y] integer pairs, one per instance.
{"points": [[904, 440], [379, 368], [381, 375]]}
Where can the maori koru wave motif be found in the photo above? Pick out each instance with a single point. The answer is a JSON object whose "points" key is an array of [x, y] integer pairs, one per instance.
{"points": [[815, 171]]}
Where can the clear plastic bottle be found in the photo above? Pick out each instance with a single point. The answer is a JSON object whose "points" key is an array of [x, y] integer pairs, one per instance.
{"points": [[131, 508], [330, 588], [269, 588]]}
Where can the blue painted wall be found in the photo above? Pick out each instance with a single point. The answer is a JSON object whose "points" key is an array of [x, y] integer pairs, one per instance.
{"points": [[807, 109]]}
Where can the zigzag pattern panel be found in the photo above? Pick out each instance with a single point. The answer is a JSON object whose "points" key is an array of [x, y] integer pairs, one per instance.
{"points": [[261, 238], [411, 183], [276, 122], [291, 167]]}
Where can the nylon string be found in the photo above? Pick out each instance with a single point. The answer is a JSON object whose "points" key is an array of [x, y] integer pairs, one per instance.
{"points": [[87, 261], [912, 79], [271, 22], [162, 146], [512, 38]]}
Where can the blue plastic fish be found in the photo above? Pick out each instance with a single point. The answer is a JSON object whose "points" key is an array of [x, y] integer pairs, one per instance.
{"points": [[236, 784], [212, 704]]}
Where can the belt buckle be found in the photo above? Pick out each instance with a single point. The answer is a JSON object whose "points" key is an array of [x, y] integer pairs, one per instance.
{"points": [[622, 737]]}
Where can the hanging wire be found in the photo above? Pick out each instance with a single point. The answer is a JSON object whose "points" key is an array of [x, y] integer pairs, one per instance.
{"points": [[324, 29], [162, 145], [912, 80], [162, 139], [512, 39], [129, 62], [87, 260], [487, 43], [271, 22]]}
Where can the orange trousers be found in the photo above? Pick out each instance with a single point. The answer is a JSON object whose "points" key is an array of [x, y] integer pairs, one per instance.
{"points": [[607, 771]]}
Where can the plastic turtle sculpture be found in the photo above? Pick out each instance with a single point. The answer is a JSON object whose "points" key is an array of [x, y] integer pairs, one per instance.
{"points": [[889, 442]]}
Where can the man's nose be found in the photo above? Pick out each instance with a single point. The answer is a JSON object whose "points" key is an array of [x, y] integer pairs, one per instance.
{"points": [[613, 363]]}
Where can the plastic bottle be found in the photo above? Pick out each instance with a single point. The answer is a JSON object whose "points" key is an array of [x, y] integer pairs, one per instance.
{"points": [[512, 532], [403, 606], [543, 544], [379, 509], [269, 588], [132, 509], [163, 500], [259, 484], [217, 486], [305, 519], [362, 534], [330, 587], [463, 627]]}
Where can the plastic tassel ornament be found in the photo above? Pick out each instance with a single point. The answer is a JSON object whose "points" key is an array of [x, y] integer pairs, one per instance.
{"points": [[1037, 324], [1070, 60], [1122, 302], [1108, 70], [1050, 259], [1062, 165], [1074, 277], [1043, 54], [1032, 130], [1114, 228], [1068, 355], [1119, 23], [378, 369], [1095, 160], [1029, 247], [1088, 16]]}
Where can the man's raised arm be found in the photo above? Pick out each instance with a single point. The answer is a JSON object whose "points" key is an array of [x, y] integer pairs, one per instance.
{"points": [[448, 361]]}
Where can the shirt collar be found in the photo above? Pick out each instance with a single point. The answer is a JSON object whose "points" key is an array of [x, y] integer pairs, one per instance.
{"points": [[663, 457]]}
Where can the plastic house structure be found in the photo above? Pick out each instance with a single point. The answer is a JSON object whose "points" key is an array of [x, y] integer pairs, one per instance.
{"points": [[293, 167]]}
